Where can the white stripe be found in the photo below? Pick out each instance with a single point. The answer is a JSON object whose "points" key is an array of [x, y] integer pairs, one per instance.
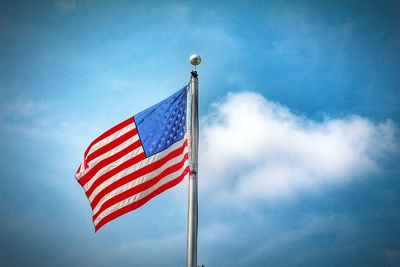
{"points": [[81, 167], [81, 171], [140, 195], [112, 165], [135, 167], [113, 151], [110, 138], [94, 162], [78, 171], [137, 181]]}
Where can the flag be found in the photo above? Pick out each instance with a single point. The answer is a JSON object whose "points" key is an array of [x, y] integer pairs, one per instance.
{"points": [[136, 160]]}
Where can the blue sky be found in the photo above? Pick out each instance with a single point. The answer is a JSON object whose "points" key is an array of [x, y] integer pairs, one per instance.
{"points": [[299, 148]]}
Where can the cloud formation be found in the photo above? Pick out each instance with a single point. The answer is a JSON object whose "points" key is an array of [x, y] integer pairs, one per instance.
{"points": [[252, 148]]}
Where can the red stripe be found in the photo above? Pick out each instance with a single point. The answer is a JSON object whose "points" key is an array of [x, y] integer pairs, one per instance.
{"points": [[109, 132], [107, 161], [141, 187], [77, 171], [111, 145], [142, 201], [114, 171], [132, 176]]}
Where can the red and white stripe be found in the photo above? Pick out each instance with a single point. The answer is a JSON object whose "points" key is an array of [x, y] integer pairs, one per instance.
{"points": [[117, 177]]}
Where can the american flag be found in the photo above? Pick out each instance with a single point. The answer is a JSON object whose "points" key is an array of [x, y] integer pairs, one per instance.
{"points": [[136, 160]]}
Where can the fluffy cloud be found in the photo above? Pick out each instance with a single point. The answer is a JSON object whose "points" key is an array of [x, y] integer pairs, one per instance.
{"points": [[252, 148]]}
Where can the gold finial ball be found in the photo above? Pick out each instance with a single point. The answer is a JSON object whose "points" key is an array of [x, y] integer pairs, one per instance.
{"points": [[195, 59]]}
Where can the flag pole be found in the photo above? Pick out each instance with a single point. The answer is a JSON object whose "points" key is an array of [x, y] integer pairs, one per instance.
{"points": [[191, 258]]}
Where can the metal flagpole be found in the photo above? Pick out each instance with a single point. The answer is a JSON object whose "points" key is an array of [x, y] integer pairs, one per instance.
{"points": [[191, 258]]}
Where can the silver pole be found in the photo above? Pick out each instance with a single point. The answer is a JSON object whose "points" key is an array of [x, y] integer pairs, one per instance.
{"points": [[191, 260]]}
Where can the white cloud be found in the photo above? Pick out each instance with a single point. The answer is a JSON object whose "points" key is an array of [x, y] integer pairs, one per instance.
{"points": [[45, 120], [216, 232], [311, 225], [252, 148]]}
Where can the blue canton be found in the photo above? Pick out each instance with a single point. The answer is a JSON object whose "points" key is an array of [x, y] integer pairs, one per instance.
{"points": [[163, 124]]}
